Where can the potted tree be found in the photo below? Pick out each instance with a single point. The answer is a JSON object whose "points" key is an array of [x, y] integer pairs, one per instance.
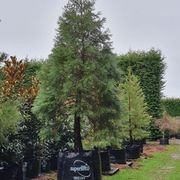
{"points": [[108, 141], [166, 125], [134, 120], [74, 81]]}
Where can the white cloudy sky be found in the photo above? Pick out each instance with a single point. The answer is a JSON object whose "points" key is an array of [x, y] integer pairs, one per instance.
{"points": [[27, 29]]}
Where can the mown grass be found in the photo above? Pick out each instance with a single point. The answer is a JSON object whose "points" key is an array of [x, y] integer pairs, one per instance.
{"points": [[162, 166]]}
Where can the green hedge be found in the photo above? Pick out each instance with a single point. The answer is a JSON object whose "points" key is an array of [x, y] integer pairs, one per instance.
{"points": [[172, 106], [149, 67]]}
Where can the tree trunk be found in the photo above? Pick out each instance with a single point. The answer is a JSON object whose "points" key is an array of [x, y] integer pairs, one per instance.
{"points": [[130, 122], [77, 133], [163, 133], [130, 137]]}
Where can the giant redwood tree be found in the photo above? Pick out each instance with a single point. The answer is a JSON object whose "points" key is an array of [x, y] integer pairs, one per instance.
{"points": [[77, 81]]}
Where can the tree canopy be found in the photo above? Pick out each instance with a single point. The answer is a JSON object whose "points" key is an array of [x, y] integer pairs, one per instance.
{"points": [[80, 72]]}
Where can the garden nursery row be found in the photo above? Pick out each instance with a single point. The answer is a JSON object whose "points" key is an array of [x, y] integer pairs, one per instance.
{"points": [[83, 107]]}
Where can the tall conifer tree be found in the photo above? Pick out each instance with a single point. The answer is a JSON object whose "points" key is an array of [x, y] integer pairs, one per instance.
{"points": [[78, 77]]}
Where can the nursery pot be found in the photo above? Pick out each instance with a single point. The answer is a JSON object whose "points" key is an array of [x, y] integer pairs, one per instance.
{"points": [[33, 168], [140, 143], [85, 165], [45, 166], [53, 163], [164, 141], [144, 140], [133, 151], [9, 172], [105, 160], [117, 156], [177, 136]]}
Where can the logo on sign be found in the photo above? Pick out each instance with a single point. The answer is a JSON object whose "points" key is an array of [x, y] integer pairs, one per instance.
{"points": [[82, 168]]}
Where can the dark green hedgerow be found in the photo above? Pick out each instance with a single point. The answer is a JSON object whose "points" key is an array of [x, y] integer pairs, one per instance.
{"points": [[149, 67], [172, 106]]}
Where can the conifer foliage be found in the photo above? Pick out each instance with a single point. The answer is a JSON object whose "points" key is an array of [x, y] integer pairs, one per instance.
{"points": [[79, 72], [134, 116]]}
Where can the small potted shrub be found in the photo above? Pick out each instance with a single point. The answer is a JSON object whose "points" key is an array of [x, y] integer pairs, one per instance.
{"points": [[166, 125], [134, 119]]}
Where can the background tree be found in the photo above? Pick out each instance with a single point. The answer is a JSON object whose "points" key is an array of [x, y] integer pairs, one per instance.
{"points": [[171, 106], [149, 67], [12, 75], [134, 117], [78, 74], [17, 96], [167, 124]]}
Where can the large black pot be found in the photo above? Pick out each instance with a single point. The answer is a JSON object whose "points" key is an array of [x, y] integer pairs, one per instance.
{"points": [[10, 172], [105, 161], [33, 168], [79, 165], [164, 141], [49, 165], [53, 163], [177, 136], [117, 155], [45, 166], [133, 152], [140, 143], [144, 140]]}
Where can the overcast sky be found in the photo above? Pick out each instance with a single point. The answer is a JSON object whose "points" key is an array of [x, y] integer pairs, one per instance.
{"points": [[27, 29]]}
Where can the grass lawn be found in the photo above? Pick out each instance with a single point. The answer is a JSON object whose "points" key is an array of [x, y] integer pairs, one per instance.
{"points": [[162, 166]]}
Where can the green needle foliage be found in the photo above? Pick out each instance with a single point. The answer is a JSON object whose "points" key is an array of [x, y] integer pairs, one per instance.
{"points": [[77, 81], [134, 117], [149, 67], [9, 117]]}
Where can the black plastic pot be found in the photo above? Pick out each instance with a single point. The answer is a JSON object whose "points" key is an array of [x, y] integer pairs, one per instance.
{"points": [[33, 168], [133, 152], [9, 172], [79, 165], [144, 140], [53, 164], [177, 136], [105, 160], [140, 143], [164, 141], [45, 166], [117, 156]]}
